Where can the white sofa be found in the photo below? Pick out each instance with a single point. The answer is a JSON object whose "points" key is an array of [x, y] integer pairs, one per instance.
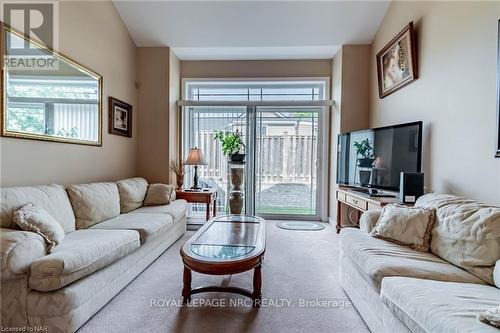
{"points": [[62, 290], [397, 289]]}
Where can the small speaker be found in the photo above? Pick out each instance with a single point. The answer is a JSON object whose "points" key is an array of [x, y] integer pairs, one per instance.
{"points": [[411, 186]]}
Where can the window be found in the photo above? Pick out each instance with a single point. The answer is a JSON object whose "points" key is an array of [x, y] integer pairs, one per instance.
{"points": [[283, 141], [272, 90]]}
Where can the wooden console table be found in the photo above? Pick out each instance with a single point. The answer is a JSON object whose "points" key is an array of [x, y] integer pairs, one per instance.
{"points": [[204, 197], [360, 201]]}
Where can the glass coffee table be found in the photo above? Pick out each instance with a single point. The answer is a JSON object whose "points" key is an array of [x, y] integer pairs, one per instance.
{"points": [[226, 245]]}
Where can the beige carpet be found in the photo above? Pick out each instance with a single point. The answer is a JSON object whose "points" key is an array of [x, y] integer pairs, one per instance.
{"points": [[299, 267]]}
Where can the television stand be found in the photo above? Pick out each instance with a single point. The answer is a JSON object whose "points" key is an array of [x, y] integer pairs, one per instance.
{"points": [[366, 191], [360, 202]]}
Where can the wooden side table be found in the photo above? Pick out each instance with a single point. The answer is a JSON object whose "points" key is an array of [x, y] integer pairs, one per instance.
{"points": [[204, 197], [360, 202]]}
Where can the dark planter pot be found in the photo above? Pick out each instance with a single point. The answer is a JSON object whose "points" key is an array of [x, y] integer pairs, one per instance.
{"points": [[365, 162], [237, 158], [364, 176]]}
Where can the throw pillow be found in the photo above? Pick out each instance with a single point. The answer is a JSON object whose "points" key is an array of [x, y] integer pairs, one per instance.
{"points": [[408, 226], [35, 219], [159, 194]]}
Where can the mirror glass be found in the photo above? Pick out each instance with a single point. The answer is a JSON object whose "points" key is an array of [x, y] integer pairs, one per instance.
{"points": [[47, 96]]}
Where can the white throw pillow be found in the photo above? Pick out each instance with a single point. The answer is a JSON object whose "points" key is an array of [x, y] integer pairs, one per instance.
{"points": [[408, 226], [159, 194], [35, 219]]}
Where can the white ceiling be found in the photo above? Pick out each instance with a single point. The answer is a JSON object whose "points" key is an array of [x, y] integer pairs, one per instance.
{"points": [[245, 30]]}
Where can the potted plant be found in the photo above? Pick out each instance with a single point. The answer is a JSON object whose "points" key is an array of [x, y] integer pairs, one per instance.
{"points": [[232, 143], [178, 169], [364, 152]]}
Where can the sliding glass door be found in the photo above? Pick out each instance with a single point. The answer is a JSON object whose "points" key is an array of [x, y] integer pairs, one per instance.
{"points": [[286, 168], [283, 123], [283, 150], [200, 125]]}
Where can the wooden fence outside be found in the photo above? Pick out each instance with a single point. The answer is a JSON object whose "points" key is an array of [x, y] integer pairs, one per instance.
{"points": [[284, 158]]}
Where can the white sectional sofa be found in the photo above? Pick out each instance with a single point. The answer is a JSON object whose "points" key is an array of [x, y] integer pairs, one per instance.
{"points": [[102, 251], [398, 289]]}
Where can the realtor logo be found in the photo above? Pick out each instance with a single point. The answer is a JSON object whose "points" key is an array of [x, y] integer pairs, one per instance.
{"points": [[38, 21]]}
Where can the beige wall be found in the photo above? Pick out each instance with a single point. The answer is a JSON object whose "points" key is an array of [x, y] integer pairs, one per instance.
{"points": [[153, 65], [351, 93], [355, 87], [455, 95], [158, 74], [93, 34], [256, 68], [175, 131]]}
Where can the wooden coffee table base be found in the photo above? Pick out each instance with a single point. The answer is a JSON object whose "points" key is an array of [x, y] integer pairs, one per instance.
{"points": [[256, 295]]}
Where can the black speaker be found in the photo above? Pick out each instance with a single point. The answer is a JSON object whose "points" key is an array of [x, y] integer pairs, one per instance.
{"points": [[411, 186]]}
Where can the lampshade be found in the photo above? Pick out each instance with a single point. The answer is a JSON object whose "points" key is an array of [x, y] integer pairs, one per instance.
{"points": [[195, 157]]}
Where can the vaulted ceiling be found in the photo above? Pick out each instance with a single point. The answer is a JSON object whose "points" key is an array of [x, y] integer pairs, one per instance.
{"points": [[207, 30]]}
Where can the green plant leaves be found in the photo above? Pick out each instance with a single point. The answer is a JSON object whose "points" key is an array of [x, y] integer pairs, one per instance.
{"points": [[364, 148], [231, 142]]}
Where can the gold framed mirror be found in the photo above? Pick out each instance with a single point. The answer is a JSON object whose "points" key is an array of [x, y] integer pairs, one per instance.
{"points": [[46, 95]]}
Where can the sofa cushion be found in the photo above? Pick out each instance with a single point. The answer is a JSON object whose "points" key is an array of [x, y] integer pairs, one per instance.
{"points": [[409, 226], [159, 194], [132, 193], [148, 226], [436, 306], [94, 203], [177, 209], [35, 219], [81, 253], [52, 198], [378, 259], [466, 233]]}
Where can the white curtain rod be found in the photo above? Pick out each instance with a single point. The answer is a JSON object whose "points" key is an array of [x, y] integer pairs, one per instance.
{"points": [[257, 103]]}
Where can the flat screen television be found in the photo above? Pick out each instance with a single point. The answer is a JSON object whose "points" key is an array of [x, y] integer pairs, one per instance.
{"points": [[375, 158]]}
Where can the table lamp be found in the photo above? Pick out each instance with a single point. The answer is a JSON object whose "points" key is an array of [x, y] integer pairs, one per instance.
{"points": [[195, 157]]}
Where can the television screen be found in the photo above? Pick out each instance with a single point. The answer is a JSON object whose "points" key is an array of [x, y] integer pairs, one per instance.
{"points": [[376, 157]]}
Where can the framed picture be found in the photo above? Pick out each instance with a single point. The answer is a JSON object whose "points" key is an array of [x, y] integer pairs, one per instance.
{"points": [[120, 117], [397, 62], [498, 92]]}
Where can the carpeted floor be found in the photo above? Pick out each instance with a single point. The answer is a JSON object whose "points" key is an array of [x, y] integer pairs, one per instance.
{"points": [[300, 268]]}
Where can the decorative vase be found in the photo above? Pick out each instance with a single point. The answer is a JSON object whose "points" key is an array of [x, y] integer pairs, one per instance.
{"points": [[236, 203], [180, 181], [236, 178]]}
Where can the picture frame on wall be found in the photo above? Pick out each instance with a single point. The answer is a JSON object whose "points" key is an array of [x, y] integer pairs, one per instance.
{"points": [[397, 62], [120, 117], [497, 154]]}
